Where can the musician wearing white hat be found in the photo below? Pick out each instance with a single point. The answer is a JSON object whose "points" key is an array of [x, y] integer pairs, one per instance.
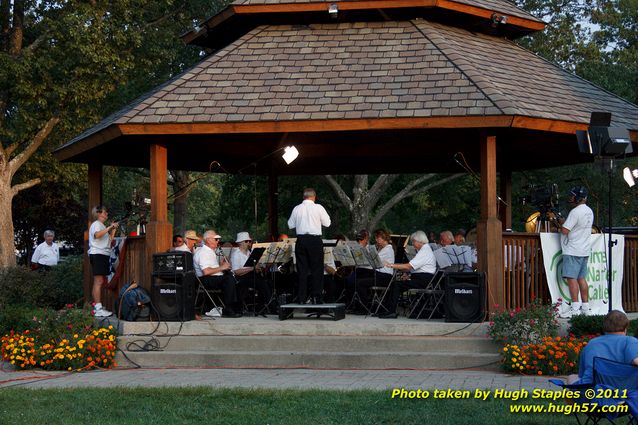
{"points": [[247, 276]]}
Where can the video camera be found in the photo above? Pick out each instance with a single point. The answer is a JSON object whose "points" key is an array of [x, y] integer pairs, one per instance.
{"points": [[135, 209], [545, 197]]}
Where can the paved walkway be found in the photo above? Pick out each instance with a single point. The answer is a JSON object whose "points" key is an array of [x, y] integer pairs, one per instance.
{"points": [[277, 379]]}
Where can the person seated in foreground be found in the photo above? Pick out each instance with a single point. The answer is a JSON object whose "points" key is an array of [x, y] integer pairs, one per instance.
{"points": [[247, 276], [613, 345], [453, 258], [422, 269], [212, 274]]}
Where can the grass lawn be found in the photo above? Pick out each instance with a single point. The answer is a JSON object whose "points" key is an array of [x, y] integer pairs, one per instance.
{"points": [[210, 406]]}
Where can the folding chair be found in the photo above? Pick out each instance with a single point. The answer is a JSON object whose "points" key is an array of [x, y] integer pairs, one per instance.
{"points": [[378, 295], [614, 384], [427, 300], [210, 293]]}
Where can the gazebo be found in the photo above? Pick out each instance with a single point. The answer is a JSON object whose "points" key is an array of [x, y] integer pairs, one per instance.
{"points": [[358, 86]]}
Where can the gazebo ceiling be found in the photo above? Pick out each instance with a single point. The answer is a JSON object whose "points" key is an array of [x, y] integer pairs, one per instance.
{"points": [[357, 97]]}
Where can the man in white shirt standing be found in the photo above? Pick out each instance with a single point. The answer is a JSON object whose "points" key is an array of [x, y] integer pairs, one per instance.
{"points": [[575, 242], [47, 254], [307, 219]]}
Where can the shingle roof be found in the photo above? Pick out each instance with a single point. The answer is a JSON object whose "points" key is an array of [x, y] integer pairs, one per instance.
{"points": [[370, 70]]}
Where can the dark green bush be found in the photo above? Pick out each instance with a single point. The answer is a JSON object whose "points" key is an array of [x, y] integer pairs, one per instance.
{"points": [[56, 288], [47, 323], [68, 278], [582, 325], [19, 318]]}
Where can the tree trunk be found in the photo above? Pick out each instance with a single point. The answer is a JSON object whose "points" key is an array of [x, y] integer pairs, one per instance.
{"points": [[7, 248]]}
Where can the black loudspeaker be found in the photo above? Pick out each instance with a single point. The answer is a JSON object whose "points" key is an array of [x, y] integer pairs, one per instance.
{"points": [[464, 297], [168, 264], [174, 297]]}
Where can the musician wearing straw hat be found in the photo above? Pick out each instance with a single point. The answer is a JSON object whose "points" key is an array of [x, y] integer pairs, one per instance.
{"points": [[247, 276], [190, 239]]}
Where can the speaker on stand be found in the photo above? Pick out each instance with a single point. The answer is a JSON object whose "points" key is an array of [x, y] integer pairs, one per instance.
{"points": [[174, 286], [464, 297]]}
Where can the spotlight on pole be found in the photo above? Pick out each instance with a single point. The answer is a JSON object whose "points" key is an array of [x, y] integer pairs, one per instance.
{"points": [[606, 143]]}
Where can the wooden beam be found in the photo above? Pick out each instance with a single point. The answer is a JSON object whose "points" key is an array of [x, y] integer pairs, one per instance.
{"points": [[315, 125], [159, 232], [159, 186], [489, 228], [94, 176], [321, 6]]}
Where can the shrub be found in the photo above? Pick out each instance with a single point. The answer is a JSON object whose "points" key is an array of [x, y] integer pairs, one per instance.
{"points": [[524, 325], [56, 288], [582, 325], [551, 356], [69, 281]]}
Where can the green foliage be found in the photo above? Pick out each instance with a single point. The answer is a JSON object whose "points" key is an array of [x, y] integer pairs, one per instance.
{"points": [[50, 325], [248, 406], [57, 288], [524, 326], [582, 325]]}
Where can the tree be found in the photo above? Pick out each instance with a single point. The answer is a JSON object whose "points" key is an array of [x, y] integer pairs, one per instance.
{"points": [[363, 208], [63, 64]]}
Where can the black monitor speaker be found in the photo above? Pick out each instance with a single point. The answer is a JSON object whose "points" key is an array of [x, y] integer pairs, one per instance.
{"points": [[174, 297], [464, 297], [169, 264]]}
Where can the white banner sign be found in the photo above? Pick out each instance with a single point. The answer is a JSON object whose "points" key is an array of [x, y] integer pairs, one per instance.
{"points": [[596, 271]]}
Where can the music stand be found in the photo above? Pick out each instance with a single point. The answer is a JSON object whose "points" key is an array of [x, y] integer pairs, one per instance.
{"points": [[252, 261], [361, 258], [271, 255]]}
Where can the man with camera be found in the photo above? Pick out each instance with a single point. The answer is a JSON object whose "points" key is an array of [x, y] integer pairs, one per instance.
{"points": [[575, 242]]}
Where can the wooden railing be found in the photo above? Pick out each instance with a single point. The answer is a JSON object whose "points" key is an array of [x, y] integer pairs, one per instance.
{"points": [[524, 275]]}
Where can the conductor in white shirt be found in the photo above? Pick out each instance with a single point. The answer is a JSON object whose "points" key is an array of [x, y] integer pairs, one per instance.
{"points": [[307, 219]]}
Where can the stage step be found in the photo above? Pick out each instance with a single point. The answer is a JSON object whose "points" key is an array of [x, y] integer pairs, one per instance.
{"points": [[380, 352]]}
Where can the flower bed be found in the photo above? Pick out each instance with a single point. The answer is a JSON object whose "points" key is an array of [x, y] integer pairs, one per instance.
{"points": [[552, 356], [63, 340]]}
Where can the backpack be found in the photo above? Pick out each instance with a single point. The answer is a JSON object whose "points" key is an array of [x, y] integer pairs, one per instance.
{"points": [[133, 303]]}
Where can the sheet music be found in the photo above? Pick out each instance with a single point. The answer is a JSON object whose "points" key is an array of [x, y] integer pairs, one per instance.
{"points": [[328, 257], [269, 254], [226, 250], [400, 240], [343, 255], [374, 259], [286, 252], [360, 254]]}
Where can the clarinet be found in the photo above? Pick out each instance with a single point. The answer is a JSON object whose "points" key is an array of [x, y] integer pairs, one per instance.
{"points": [[220, 253]]}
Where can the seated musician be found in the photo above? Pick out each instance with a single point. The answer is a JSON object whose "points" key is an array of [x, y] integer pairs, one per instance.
{"points": [[210, 272], [451, 257], [187, 242], [383, 275], [247, 276], [360, 272], [422, 269]]}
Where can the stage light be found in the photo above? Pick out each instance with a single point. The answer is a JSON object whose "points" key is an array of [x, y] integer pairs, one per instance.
{"points": [[290, 154], [630, 176], [601, 139], [333, 10]]}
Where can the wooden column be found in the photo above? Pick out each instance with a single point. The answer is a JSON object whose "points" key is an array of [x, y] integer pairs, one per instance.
{"points": [[489, 229], [95, 198], [505, 205], [273, 206], [159, 231]]}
